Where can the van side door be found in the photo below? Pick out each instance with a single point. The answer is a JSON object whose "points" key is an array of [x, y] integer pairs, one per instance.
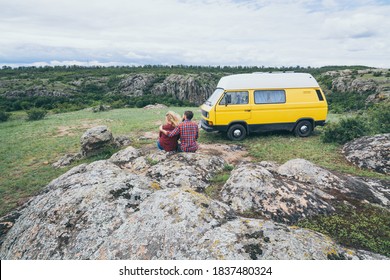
{"points": [[269, 108], [234, 106]]}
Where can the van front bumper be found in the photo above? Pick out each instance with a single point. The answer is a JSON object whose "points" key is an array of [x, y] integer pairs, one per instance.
{"points": [[205, 126]]}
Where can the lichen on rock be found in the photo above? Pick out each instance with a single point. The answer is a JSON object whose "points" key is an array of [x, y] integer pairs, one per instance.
{"points": [[143, 204], [297, 189]]}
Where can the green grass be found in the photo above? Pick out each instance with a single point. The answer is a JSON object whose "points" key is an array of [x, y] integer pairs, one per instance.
{"points": [[283, 146], [217, 182], [28, 148]]}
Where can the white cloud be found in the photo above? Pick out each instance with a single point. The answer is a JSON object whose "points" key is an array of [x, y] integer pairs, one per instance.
{"points": [[207, 32]]}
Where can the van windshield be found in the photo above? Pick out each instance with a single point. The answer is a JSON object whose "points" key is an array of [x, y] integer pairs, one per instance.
{"points": [[214, 97]]}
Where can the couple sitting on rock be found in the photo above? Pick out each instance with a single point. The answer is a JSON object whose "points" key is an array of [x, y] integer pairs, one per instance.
{"points": [[172, 130]]}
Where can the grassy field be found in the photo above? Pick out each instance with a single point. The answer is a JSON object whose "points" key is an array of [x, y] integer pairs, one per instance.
{"points": [[27, 149]]}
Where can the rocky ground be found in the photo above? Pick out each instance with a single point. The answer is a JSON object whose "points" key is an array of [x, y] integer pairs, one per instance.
{"points": [[145, 204]]}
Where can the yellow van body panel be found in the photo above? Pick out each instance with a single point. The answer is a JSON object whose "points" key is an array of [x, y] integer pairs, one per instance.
{"points": [[300, 104]]}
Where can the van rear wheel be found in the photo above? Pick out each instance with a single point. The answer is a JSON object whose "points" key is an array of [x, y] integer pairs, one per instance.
{"points": [[236, 132], [303, 128]]}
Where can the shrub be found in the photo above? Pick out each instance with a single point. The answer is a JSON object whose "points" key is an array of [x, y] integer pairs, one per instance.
{"points": [[345, 130], [36, 114], [379, 118], [347, 101], [101, 108], [326, 81], [4, 116]]}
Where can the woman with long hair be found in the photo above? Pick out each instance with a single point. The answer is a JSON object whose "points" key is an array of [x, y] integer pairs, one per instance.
{"points": [[164, 142]]}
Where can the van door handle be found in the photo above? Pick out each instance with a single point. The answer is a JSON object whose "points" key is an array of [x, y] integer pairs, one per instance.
{"points": [[247, 110]]}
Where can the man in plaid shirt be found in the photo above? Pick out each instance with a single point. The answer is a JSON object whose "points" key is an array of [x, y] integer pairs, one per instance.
{"points": [[188, 131]]}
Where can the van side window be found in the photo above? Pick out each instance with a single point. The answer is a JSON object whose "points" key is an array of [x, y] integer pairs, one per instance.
{"points": [[270, 96], [235, 97]]}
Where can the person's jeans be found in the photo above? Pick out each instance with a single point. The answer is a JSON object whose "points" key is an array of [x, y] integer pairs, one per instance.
{"points": [[162, 149], [159, 146]]}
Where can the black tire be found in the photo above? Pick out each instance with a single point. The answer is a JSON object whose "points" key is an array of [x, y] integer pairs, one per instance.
{"points": [[303, 128], [236, 132]]}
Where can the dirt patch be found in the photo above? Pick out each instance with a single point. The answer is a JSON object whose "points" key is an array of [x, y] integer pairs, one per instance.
{"points": [[233, 154], [149, 135], [73, 130]]}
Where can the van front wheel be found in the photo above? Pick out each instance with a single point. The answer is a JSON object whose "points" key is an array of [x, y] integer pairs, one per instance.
{"points": [[236, 132], [303, 128]]}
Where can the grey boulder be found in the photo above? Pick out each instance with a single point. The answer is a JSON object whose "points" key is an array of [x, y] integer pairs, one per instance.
{"points": [[94, 140], [371, 152]]}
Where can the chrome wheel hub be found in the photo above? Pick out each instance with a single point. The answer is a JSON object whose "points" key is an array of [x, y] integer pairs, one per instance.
{"points": [[237, 133], [304, 128]]}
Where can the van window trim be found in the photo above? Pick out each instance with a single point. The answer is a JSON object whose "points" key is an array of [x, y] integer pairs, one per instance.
{"points": [[254, 99]]}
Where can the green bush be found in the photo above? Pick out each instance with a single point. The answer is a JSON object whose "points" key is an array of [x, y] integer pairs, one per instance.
{"points": [[4, 116], [345, 130], [378, 118], [325, 81], [340, 102], [36, 114]]}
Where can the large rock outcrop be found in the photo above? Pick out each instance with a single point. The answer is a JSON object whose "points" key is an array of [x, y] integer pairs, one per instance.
{"points": [[195, 88], [76, 213], [347, 84], [42, 91], [371, 152], [296, 190], [136, 85], [138, 206], [374, 81]]}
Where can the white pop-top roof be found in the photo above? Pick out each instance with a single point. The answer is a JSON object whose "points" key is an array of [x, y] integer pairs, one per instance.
{"points": [[267, 81]]}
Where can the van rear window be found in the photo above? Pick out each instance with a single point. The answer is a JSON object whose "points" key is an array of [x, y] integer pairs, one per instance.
{"points": [[270, 96], [320, 97]]}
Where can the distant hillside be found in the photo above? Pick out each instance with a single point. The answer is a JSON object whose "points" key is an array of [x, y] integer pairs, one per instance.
{"points": [[72, 88], [351, 90]]}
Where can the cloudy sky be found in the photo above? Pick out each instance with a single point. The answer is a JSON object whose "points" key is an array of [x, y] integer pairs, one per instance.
{"points": [[203, 32]]}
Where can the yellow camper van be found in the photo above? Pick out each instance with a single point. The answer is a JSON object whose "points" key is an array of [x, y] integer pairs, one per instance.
{"points": [[260, 102]]}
